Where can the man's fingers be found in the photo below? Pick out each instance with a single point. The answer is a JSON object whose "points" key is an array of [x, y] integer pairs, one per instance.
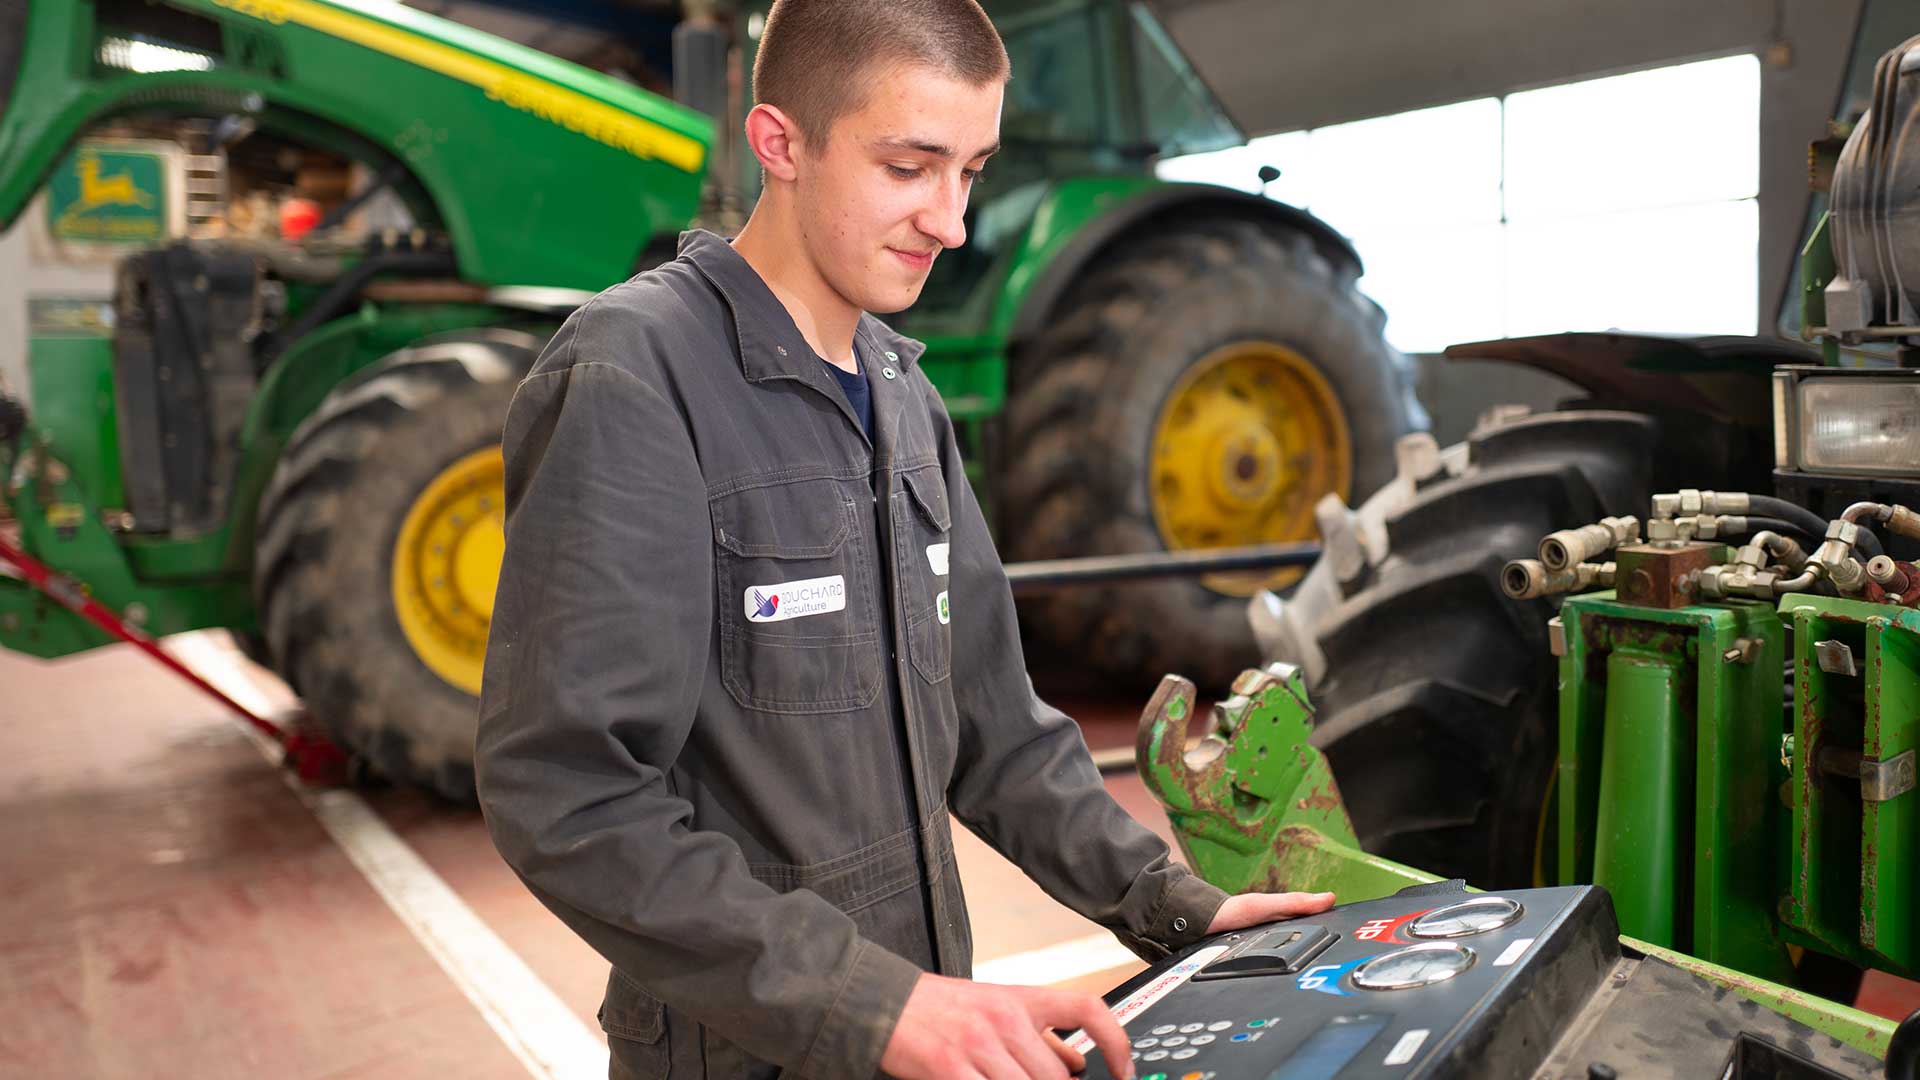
{"points": [[1036, 1058], [1065, 1009], [1072, 1059], [1302, 903], [996, 1062], [1248, 909]]}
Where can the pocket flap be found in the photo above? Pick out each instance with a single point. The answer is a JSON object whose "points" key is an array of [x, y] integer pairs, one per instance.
{"points": [[629, 1011], [805, 520], [929, 488]]}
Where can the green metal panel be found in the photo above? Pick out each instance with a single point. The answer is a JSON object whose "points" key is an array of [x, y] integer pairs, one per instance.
{"points": [[599, 167], [1725, 662], [1851, 888], [1643, 785]]}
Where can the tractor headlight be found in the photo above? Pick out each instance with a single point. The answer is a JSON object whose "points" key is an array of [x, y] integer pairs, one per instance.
{"points": [[1858, 423]]}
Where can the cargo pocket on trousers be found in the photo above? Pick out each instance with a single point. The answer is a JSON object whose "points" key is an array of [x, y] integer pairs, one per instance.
{"points": [[793, 591], [923, 533], [635, 1023]]}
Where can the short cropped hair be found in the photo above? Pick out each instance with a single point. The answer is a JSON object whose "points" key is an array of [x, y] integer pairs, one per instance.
{"points": [[819, 59]]}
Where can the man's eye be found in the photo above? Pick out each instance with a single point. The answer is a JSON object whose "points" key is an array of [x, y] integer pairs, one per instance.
{"points": [[974, 176], [903, 173]]}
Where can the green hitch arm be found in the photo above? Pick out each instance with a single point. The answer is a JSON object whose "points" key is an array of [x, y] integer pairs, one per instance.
{"points": [[1254, 806]]}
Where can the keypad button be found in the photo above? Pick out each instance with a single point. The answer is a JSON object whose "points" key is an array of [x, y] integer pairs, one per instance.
{"points": [[1165, 1029], [1172, 1041], [1245, 1036], [1220, 1025], [1182, 1055], [1154, 1055], [1200, 1040], [1146, 1043], [1188, 1029]]}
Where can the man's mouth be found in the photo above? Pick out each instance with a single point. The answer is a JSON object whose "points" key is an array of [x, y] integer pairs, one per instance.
{"points": [[918, 260]]}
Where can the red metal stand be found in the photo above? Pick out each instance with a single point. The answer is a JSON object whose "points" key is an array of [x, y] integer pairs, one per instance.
{"points": [[314, 758]]}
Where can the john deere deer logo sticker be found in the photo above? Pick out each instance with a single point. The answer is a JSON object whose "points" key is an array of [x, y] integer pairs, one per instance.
{"points": [[103, 194]]}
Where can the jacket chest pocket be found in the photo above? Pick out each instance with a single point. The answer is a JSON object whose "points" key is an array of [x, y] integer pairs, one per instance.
{"points": [[795, 586], [923, 531]]}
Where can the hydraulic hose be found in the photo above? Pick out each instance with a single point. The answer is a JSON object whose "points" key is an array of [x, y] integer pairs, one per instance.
{"points": [[1868, 543], [1804, 519]]}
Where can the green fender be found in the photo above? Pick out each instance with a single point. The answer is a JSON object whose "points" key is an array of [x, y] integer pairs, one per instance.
{"points": [[1079, 220]]}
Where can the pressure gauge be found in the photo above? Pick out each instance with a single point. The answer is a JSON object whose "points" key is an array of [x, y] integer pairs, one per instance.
{"points": [[1415, 965], [1466, 918]]}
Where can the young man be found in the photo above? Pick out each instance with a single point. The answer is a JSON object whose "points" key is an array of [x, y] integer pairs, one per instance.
{"points": [[752, 647]]}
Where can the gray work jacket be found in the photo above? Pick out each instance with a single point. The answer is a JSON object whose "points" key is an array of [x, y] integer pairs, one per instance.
{"points": [[688, 749]]}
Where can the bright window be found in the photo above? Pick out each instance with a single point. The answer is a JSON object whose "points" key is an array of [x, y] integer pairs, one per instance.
{"points": [[1626, 202]]}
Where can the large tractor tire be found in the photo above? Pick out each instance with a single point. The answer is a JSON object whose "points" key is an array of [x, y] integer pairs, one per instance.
{"points": [[1435, 694], [380, 538], [1205, 386]]}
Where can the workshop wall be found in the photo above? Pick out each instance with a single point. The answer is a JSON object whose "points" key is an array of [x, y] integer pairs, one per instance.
{"points": [[1313, 63]]}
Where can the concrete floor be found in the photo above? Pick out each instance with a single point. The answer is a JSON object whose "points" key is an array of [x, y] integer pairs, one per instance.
{"points": [[171, 905]]}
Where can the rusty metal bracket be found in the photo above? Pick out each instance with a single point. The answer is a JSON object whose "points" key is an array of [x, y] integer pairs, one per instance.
{"points": [[1883, 781]]}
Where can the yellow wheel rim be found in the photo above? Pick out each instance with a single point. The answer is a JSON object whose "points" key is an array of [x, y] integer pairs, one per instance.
{"points": [[447, 563], [1248, 441]]}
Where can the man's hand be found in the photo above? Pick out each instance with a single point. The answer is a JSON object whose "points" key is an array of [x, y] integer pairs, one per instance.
{"points": [[959, 1028], [1254, 908]]}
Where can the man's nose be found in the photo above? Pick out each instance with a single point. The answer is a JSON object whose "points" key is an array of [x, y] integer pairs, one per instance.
{"points": [[943, 218]]}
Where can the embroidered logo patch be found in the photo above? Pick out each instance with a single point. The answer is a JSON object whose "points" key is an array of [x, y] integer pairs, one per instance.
{"points": [[937, 558], [943, 608], [796, 599]]}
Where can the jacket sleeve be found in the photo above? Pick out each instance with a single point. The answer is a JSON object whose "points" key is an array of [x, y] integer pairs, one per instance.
{"points": [[595, 662], [1024, 780]]}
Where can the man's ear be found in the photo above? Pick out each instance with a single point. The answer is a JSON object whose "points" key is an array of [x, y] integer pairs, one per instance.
{"points": [[775, 139]]}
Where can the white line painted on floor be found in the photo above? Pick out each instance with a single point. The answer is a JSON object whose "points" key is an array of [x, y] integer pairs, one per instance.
{"points": [[1056, 963], [540, 1030]]}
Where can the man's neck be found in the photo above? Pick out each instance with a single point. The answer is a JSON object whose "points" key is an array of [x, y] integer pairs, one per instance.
{"points": [[822, 315]]}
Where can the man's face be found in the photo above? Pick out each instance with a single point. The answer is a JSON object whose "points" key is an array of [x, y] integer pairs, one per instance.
{"points": [[886, 193]]}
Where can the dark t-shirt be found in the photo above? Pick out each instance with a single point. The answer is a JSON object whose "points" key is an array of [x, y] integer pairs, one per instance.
{"points": [[854, 385]]}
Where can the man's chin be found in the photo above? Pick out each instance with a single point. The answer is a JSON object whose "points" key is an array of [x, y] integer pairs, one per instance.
{"points": [[896, 299]]}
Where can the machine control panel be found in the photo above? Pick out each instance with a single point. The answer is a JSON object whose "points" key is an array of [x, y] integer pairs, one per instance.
{"points": [[1432, 982]]}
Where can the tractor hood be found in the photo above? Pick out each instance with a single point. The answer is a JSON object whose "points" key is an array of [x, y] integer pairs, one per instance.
{"points": [[489, 128]]}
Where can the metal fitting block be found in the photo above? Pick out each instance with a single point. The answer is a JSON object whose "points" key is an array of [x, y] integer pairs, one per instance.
{"points": [[1665, 576]]}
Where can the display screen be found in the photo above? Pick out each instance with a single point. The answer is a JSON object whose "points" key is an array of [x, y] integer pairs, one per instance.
{"points": [[1329, 1049]]}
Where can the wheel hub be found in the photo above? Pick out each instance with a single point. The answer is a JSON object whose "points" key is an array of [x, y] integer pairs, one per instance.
{"points": [[447, 563], [1250, 438]]}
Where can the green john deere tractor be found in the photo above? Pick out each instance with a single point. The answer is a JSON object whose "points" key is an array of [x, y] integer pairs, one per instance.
{"points": [[340, 233]]}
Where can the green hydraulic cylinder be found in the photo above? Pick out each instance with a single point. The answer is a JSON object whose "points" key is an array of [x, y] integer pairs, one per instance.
{"points": [[1646, 782]]}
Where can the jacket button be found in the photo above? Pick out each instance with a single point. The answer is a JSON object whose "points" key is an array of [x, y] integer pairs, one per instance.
{"points": [[887, 372], [1179, 924]]}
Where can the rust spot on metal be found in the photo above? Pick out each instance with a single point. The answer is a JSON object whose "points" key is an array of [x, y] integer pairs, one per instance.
{"points": [[1320, 799]]}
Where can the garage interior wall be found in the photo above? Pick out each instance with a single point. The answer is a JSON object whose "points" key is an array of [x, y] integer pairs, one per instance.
{"points": [[1313, 64]]}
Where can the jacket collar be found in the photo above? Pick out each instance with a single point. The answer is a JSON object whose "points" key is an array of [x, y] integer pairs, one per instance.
{"points": [[771, 346]]}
